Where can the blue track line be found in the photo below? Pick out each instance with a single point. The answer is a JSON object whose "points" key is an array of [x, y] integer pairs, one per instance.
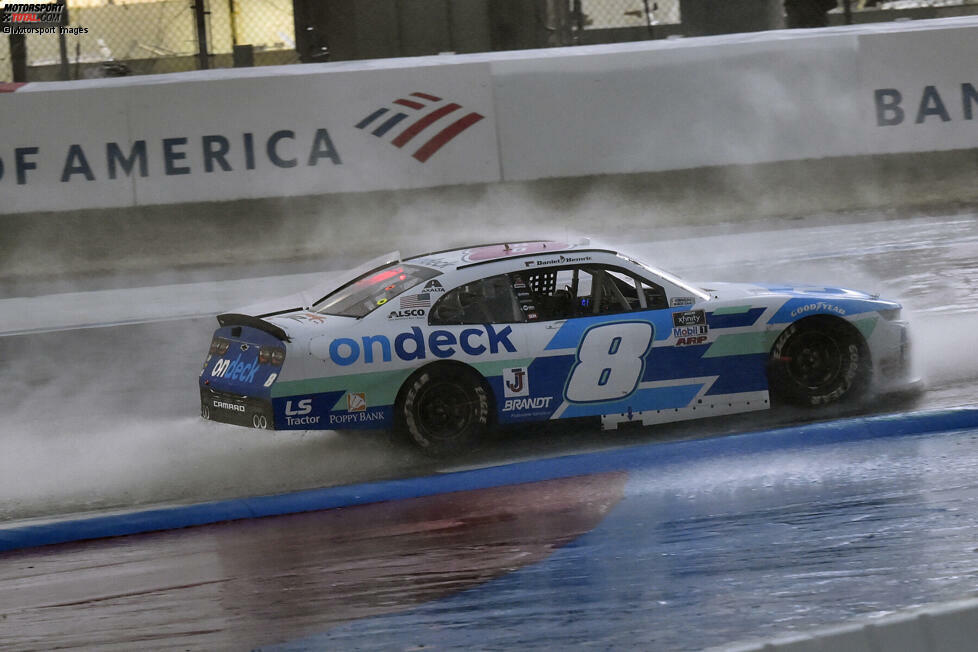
{"points": [[622, 459]]}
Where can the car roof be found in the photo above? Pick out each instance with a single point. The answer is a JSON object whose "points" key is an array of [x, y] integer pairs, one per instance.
{"points": [[494, 252]]}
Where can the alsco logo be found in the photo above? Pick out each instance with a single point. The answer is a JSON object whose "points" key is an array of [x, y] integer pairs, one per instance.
{"points": [[420, 102]]}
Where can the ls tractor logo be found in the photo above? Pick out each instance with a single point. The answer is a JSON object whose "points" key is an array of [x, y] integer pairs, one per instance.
{"points": [[297, 413]]}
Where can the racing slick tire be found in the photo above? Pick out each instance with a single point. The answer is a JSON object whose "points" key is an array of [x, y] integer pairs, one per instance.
{"points": [[818, 361], [445, 410]]}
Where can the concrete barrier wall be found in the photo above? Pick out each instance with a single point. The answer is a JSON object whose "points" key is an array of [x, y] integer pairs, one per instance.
{"points": [[435, 121], [227, 135], [355, 158], [947, 627]]}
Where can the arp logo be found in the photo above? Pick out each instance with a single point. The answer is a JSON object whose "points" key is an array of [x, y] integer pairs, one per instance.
{"points": [[420, 102]]}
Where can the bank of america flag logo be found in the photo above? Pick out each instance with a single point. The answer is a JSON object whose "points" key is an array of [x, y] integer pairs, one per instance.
{"points": [[421, 111], [416, 301]]}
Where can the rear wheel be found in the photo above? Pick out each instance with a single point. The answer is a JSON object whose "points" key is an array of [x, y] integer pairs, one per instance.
{"points": [[818, 361], [445, 410]]}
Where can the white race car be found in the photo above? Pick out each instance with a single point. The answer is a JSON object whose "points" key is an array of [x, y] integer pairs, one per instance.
{"points": [[445, 344]]}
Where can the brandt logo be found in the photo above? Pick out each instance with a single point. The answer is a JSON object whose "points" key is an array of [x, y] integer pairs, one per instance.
{"points": [[420, 102]]}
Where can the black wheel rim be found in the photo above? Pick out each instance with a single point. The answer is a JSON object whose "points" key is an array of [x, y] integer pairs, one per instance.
{"points": [[813, 359], [445, 410]]}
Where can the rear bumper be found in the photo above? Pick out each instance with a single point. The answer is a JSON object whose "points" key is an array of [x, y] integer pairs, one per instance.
{"points": [[235, 409]]}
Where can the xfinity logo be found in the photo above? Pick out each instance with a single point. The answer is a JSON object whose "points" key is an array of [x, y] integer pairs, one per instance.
{"points": [[690, 318], [229, 406]]}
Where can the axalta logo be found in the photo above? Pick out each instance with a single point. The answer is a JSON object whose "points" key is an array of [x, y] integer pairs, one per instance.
{"points": [[228, 406], [413, 345], [235, 369], [420, 102], [818, 307], [539, 403], [434, 286]]}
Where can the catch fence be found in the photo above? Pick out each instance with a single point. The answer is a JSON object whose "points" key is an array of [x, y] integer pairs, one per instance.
{"points": [[122, 37]]}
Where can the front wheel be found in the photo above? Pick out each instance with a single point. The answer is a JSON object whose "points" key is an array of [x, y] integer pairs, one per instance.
{"points": [[446, 411], [818, 361]]}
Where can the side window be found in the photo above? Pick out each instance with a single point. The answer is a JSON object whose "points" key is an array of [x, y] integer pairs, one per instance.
{"points": [[486, 301], [637, 292], [582, 291]]}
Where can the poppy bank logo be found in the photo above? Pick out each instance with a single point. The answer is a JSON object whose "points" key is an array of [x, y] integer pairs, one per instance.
{"points": [[429, 110]]}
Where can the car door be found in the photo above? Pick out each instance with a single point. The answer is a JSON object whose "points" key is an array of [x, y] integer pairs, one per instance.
{"points": [[605, 342], [485, 326]]}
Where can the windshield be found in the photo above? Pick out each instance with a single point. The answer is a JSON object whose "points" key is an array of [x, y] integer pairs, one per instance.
{"points": [[372, 290]]}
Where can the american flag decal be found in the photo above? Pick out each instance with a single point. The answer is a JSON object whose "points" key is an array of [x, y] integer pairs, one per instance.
{"points": [[416, 301], [433, 112]]}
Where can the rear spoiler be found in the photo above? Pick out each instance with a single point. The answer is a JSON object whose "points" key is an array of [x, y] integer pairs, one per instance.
{"points": [[237, 319]]}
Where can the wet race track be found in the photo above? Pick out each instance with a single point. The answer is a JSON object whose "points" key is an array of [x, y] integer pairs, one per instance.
{"points": [[702, 551]]}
